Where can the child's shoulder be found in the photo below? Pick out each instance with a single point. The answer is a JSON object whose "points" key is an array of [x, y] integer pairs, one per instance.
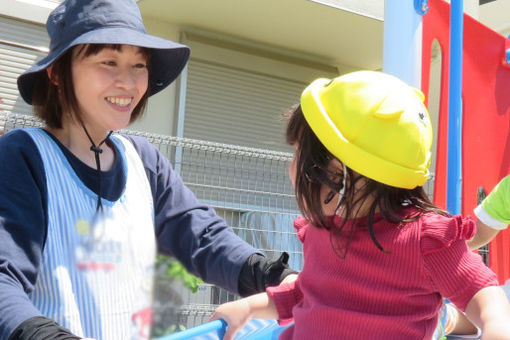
{"points": [[301, 224], [439, 231]]}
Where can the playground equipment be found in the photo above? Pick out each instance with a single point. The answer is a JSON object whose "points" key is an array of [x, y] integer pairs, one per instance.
{"points": [[482, 144], [473, 135], [256, 329]]}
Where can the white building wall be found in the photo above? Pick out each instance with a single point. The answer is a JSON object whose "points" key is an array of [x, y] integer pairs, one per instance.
{"points": [[161, 109]]}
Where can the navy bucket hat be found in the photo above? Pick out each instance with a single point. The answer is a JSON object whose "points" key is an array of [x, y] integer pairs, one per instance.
{"points": [[76, 22]]}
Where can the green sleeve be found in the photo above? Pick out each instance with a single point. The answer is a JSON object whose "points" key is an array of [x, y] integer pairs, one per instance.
{"points": [[494, 210]]}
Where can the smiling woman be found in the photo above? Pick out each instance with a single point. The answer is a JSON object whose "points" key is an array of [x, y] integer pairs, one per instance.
{"points": [[82, 211], [126, 66], [96, 88]]}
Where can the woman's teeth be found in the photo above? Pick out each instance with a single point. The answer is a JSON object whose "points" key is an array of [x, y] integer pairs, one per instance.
{"points": [[119, 101]]}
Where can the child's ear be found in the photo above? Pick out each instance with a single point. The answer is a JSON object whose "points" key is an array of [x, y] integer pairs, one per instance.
{"points": [[53, 78], [335, 165]]}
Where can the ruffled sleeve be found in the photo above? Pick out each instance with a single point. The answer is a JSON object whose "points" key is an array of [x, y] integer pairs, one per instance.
{"points": [[301, 224], [285, 297], [455, 272], [440, 232]]}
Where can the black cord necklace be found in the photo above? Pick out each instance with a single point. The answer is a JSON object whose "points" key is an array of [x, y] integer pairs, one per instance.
{"points": [[97, 150]]}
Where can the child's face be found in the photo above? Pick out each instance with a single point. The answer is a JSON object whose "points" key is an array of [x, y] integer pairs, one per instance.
{"points": [[292, 167], [108, 85], [329, 208]]}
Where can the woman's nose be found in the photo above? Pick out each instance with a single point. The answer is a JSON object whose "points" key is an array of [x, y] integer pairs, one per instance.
{"points": [[126, 78]]}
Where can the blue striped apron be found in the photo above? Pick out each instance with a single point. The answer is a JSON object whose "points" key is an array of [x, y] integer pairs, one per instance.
{"points": [[96, 273]]}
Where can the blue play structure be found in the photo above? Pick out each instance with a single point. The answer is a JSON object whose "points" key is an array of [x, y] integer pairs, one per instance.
{"points": [[256, 329]]}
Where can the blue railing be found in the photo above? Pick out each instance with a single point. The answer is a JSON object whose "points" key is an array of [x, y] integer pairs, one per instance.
{"points": [[256, 329]]}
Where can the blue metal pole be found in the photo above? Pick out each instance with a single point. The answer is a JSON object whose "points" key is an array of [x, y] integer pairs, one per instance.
{"points": [[403, 39], [454, 172]]}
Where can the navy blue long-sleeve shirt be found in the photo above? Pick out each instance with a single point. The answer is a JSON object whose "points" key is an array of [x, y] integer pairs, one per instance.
{"points": [[184, 228]]}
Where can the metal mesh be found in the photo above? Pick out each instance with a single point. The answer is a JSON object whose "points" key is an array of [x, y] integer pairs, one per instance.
{"points": [[248, 187], [9, 121]]}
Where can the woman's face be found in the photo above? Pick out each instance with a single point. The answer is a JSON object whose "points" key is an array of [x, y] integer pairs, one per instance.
{"points": [[108, 85]]}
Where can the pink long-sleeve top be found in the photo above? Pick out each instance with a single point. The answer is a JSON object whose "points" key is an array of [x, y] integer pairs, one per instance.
{"points": [[376, 295]]}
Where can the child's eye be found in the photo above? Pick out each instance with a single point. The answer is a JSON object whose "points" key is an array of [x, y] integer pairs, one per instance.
{"points": [[109, 63], [140, 66]]}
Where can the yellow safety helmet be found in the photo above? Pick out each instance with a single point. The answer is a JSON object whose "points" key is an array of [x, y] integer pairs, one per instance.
{"points": [[374, 123]]}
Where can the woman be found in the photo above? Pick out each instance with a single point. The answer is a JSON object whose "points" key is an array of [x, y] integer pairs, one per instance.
{"points": [[82, 211]]}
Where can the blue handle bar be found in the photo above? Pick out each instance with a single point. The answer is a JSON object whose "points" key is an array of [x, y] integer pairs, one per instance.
{"points": [[216, 327], [255, 329]]}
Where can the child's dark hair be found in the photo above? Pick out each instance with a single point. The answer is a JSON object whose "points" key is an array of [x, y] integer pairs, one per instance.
{"points": [[51, 101], [312, 160]]}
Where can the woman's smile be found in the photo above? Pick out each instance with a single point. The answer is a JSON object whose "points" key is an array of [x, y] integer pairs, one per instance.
{"points": [[120, 103], [109, 85]]}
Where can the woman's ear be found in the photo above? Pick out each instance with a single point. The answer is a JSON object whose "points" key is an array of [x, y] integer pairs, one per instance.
{"points": [[53, 78]]}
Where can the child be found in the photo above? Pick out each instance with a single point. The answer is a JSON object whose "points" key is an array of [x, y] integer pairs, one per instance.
{"points": [[493, 214], [82, 211], [379, 256]]}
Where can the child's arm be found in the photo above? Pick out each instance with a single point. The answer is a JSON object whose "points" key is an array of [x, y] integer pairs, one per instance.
{"points": [[457, 322], [493, 214], [489, 309], [237, 313], [484, 234]]}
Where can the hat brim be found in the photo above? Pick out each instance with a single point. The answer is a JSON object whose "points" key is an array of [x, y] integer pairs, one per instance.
{"points": [[168, 58]]}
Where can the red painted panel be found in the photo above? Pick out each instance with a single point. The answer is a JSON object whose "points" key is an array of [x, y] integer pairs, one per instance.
{"points": [[486, 115]]}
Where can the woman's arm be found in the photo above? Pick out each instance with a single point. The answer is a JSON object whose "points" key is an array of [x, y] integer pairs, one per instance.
{"points": [[22, 236], [490, 311], [200, 239], [191, 231]]}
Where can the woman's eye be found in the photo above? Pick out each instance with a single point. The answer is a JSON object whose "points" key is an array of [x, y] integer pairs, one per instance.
{"points": [[109, 63], [140, 66]]}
